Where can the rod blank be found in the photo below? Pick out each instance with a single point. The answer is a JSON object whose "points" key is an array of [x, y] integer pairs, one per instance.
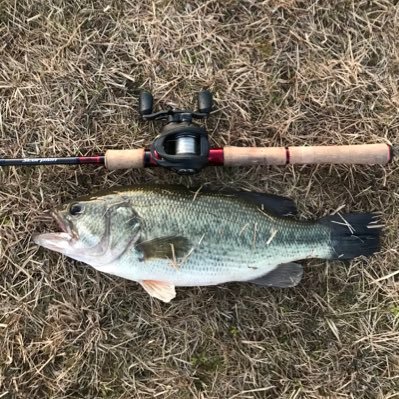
{"points": [[98, 160]]}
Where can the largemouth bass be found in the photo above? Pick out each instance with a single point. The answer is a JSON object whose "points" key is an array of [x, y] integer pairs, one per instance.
{"points": [[162, 237]]}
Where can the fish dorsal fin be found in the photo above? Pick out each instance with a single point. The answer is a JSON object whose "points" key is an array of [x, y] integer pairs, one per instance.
{"points": [[276, 204], [284, 275], [161, 290], [170, 247], [281, 206]]}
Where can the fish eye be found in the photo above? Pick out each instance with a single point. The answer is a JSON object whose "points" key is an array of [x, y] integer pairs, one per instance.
{"points": [[76, 209]]}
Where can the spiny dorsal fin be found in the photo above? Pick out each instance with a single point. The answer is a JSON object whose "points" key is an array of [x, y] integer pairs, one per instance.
{"points": [[171, 247], [159, 289]]}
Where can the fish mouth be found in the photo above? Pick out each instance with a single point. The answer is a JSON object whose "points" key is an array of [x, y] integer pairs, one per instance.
{"points": [[58, 241], [62, 223], [65, 225]]}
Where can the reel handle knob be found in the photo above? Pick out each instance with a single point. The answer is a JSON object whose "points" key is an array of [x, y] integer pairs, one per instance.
{"points": [[146, 101], [205, 101]]}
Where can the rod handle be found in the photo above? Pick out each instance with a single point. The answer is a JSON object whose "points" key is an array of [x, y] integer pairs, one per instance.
{"points": [[124, 159], [366, 154]]}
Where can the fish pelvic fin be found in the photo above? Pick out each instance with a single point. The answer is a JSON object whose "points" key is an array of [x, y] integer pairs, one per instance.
{"points": [[161, 290], [283, 276]]}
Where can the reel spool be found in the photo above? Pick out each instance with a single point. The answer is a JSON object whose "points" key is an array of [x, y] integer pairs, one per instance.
{"points": [[182, 145]]}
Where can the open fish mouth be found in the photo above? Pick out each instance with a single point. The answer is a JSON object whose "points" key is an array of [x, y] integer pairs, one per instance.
{"points": [[64, 225], [58, 241]]}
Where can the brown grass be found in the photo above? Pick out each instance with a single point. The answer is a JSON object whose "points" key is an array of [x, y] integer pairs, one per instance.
{"points": [[283, 73]]}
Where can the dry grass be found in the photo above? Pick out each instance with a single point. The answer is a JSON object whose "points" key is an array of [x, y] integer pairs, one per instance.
{"points": [[283, 72]]}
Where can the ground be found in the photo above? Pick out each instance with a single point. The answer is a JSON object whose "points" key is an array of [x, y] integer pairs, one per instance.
{"points": [[282, 73]]}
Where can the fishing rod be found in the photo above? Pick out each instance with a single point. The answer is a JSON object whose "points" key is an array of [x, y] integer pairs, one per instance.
{"points": [[183, 147]]}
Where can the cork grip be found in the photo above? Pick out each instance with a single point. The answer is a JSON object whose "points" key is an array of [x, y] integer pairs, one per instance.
{"points": [[366, 154], [124, 159]]}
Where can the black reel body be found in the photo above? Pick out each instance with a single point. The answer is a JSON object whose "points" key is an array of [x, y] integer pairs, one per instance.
{"points": [[182, 145]]}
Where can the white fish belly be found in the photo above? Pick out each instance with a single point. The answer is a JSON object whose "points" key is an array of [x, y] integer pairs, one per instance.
{"points": [[199, 270]]}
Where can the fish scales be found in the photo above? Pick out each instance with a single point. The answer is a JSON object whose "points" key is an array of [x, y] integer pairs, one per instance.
{"points": [[182, 237], [228, 236]]}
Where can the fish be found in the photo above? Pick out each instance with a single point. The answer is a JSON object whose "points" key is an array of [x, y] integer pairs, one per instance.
{"points": [[164, 237]]}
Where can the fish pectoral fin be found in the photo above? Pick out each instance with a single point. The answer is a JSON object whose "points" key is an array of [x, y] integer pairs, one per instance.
{"points": [[159, 289], [172, 247], [284, 275]]}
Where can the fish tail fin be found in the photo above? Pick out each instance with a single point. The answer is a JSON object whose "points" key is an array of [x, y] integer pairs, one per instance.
{"points": [[353, 234]]}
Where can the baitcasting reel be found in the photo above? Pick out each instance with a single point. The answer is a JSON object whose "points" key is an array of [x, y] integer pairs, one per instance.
{"points": [[182, 146]]}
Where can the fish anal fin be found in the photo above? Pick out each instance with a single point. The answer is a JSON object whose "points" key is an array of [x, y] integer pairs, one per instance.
{"points": [[161, 290], [172, 247], [284, 275]]}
